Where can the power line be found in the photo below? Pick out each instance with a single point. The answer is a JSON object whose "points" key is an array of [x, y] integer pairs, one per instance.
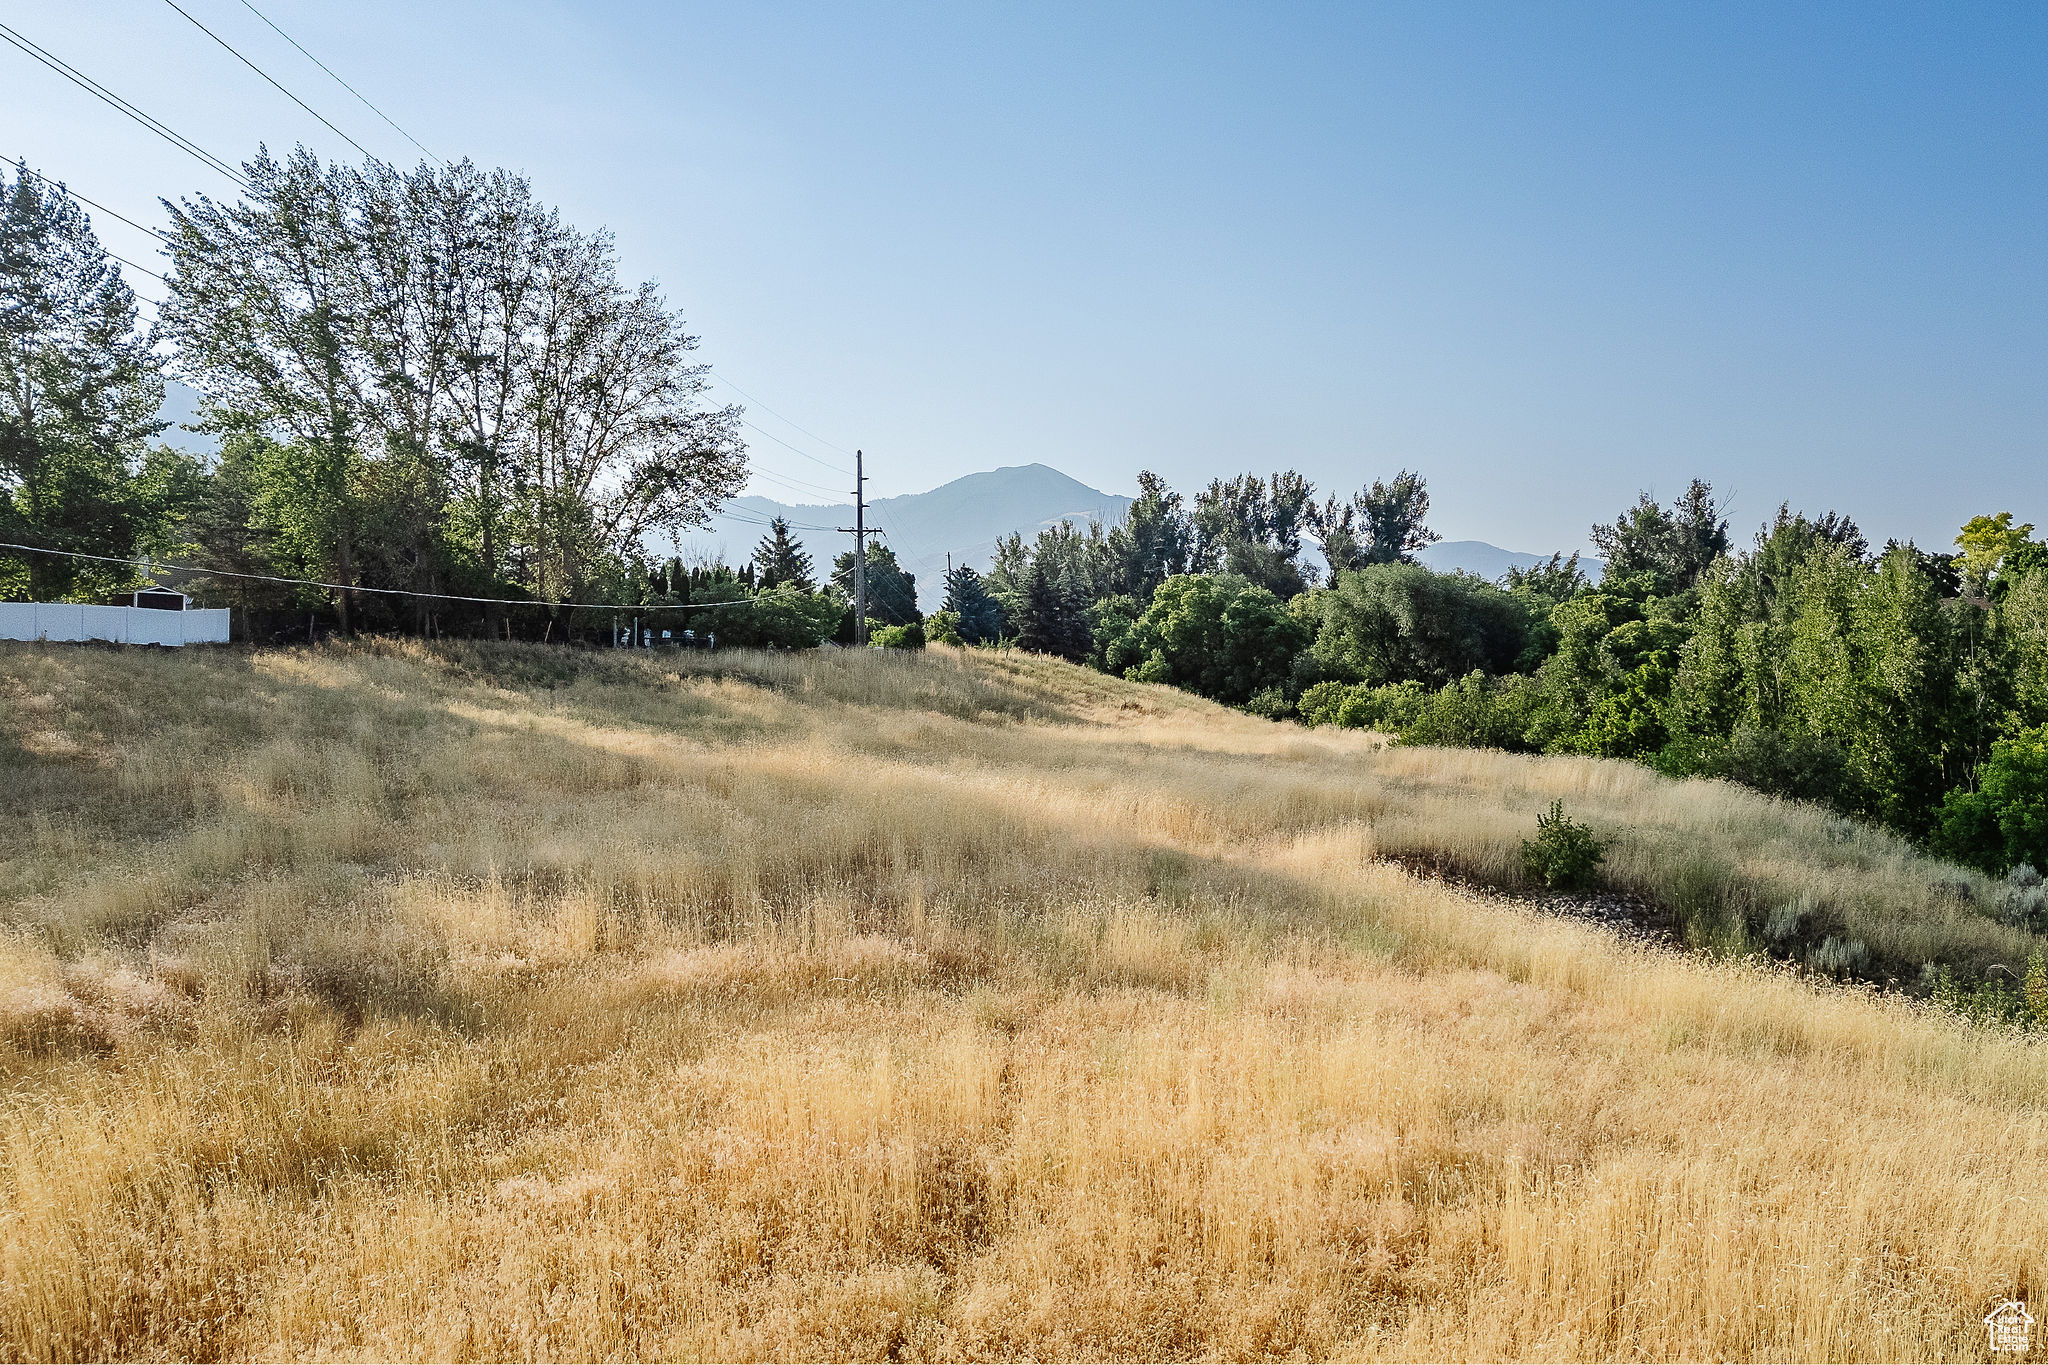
{"points": [[778, 416], [98, 91], [103, 209], [272, 79], [794, 485], [798, 449], [339, 81], [23, 167], [387, 592], [132, 266], [793, 525]]}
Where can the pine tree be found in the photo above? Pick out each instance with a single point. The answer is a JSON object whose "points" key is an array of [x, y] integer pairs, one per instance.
{"points": [[981, 619], [1054, 614], [780, 559]]}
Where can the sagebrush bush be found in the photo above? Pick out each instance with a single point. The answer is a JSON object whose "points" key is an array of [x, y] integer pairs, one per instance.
{"points": [[1565, 855]]}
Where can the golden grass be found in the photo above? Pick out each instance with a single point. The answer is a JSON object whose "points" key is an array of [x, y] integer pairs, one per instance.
{"points": [[493, 1002]]}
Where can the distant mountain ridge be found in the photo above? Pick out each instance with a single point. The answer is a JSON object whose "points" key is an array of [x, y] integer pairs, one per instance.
{"points": [[965, 518], [1490, 561]]}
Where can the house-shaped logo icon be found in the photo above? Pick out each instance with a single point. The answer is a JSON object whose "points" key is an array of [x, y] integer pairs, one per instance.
{"points": [[2011, 1326]]}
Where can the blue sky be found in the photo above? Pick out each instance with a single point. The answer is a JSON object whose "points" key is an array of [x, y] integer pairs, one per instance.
{"points": [[1546, 254]]}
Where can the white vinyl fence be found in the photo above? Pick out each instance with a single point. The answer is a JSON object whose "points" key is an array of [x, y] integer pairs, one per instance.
{"points": [[72, 621]]}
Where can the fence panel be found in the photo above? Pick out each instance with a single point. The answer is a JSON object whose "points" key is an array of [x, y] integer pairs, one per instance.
{"points": [[71, 622]]}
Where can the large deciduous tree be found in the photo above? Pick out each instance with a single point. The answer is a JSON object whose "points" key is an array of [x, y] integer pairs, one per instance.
{"points": [[79, 395], [460, 382]]}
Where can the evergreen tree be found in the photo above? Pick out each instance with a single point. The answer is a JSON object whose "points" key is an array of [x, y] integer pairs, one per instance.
{"points": [[1005, 578], [980, 619], [1053, 617], [780, 559], [79, 394]]}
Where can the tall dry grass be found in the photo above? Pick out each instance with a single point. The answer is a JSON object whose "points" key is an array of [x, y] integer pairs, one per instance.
{"points": [[503, 1002]]}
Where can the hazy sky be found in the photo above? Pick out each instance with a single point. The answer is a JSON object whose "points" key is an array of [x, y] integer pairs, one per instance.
{"points": [[1546, 254]]}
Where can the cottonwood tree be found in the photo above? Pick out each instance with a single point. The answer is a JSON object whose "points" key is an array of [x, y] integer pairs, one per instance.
{"points": [[1672, 545], [79, 394], [1152, 542], [1385, 522], [457, 374], [891, 592], [1252, 527]]}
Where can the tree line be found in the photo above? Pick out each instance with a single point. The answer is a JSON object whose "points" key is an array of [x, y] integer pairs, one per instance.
{"points": [[426, 381], [1896, 685]]}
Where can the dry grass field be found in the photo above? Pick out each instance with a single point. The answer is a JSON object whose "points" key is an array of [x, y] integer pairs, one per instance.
{"points": [[497, 1002]]}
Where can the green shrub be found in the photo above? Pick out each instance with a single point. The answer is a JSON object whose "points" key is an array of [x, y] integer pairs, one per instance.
{"points": [[1271, 703], [900, 637], [2005, 821], [1318, 704], [943, 628], [1564, 855], [1475, 712], [1392, 707]]}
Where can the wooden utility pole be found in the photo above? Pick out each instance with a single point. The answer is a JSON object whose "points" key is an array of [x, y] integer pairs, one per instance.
{"points": [[859, 531]]}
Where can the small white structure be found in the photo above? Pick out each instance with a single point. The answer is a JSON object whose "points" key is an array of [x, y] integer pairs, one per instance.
{"points": [[157, 616]]}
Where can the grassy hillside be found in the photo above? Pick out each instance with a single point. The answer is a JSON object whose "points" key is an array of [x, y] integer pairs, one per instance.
{"points": [[500, 1002]]}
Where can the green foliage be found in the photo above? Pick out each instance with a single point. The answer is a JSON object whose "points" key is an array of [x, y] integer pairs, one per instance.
{"points": [[456, 384], [1383, 523], [943, 628], [784, 617], [1251, 528], [2004, 821], [1153, 542], [1219, 637], [1671, 546], [1987, 543], [779, 559], [79, 393], [1475, 712], [1052, 613], [978, 620], [1110, 620], [1271, 703], [1403, 622], [1318, 704], [892, 593], [1801, 766], [1564, 855], [900, 637]]}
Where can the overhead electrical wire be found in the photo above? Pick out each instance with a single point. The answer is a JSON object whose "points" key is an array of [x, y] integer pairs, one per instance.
{"points": [[798, 449], [98, 91], [153, 564], [217, 164], [132, 266], [272, 79], [340, 82], [796, 485], [24, 168], [778, 416]]}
